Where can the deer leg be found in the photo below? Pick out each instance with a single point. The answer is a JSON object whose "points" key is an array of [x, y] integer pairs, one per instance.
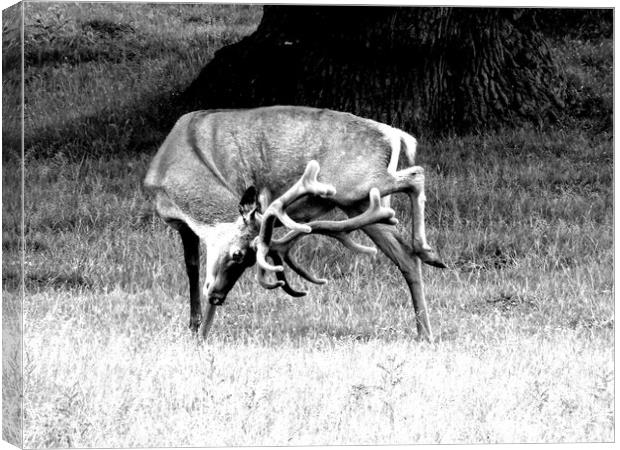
{"points": [[394, 245], [411, 181], [191, 250]]}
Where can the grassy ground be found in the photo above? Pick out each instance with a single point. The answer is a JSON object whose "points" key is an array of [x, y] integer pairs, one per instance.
{"points": [[524, 317]]}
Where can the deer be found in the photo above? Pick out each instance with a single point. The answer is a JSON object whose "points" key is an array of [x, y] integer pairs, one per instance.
{"points": [[225, 179]]}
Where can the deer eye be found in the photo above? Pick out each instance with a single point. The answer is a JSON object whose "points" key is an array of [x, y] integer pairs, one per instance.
{"points": [[237, 256]]}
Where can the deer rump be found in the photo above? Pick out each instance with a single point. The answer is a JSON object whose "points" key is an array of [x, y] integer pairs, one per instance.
{"points": [[288, 165]]}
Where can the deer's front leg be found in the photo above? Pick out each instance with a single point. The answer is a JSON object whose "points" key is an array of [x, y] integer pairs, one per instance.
{"points": [[191, 250]]}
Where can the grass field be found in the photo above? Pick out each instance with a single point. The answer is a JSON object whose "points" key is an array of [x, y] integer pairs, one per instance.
{"points": [[523, 318]]}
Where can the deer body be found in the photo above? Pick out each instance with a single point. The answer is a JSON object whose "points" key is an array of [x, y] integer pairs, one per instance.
{"points": [[267, 148], [211, 158]]}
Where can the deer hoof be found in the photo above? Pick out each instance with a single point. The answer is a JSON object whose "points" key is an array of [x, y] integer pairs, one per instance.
{"points": [[194, 323], [425, 337], [430, 257]]}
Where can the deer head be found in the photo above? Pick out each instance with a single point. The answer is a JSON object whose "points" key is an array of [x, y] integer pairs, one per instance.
{"points": [[234, 247], [229, 249]]}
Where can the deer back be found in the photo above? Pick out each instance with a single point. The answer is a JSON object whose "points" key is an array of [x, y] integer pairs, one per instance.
{"points": [[211, 157]]}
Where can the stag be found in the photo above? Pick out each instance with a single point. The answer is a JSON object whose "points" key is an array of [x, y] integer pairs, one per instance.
{"points": [[226, 178]]}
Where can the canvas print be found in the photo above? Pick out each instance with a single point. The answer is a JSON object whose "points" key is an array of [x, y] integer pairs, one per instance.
{"points": [[283, 225]]}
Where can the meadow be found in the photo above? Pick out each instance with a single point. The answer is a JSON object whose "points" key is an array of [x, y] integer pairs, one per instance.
{"points": [[523, 317]]}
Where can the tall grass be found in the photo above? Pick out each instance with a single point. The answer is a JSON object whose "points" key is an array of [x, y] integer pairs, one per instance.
{"points": [[524, 316]]}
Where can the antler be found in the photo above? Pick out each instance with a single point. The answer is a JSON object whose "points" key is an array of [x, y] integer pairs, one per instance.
{"points": [[279, 249], [339, 228], [306, 185], [282, 281]]}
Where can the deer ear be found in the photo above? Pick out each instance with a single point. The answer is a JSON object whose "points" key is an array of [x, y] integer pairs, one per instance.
{"points": [[249, 201]]}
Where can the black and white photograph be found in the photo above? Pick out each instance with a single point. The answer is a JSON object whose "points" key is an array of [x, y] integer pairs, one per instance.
{"points": [[287, 224]]}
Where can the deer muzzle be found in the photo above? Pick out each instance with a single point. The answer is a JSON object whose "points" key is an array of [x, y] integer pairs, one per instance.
{"points": [[215, 296], [216, 299]]}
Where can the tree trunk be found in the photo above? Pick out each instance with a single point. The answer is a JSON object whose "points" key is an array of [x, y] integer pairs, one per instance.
{"points": [[420, 69]]}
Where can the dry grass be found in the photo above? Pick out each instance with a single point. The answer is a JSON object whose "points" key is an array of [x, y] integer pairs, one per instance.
{"points": [[159, 388], [524, 318]]}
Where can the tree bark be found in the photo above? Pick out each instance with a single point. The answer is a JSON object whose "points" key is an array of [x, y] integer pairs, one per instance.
{"points": [[426, 70]]}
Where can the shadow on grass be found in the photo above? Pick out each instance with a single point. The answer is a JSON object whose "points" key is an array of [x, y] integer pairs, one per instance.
{"points": [[133, 129], [97, 40], [11, 280], [140, 124]]}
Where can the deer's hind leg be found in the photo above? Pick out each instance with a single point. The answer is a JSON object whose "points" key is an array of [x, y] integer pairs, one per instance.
{"points": [[395, 247], [411, 182]]}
